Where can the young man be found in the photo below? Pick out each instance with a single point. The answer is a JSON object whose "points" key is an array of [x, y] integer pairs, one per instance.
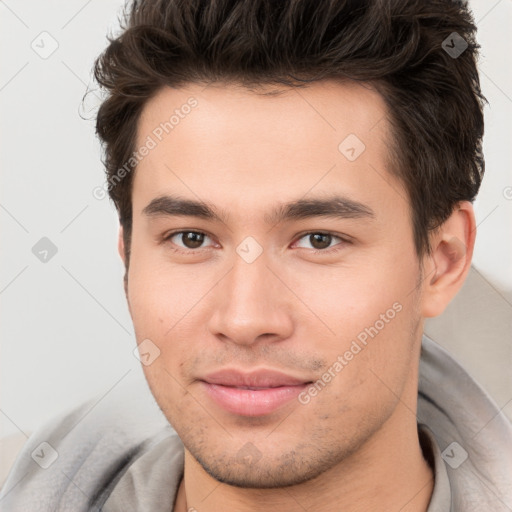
{"points": [[294, 183]]}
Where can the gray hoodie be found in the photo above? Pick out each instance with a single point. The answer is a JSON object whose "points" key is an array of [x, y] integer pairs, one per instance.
{"points": [[117, 453]]}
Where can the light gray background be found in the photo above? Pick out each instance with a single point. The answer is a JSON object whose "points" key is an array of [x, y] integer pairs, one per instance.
{"points": [[66, 333]]}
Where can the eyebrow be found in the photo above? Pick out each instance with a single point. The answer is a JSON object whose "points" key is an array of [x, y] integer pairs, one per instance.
{"points": [[337, 207]]}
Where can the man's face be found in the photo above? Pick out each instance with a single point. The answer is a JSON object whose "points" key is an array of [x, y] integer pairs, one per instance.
{"points": [[249, 293]]}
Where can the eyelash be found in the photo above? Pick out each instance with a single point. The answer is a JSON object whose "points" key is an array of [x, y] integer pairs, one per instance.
{"points": [[335, 249]]}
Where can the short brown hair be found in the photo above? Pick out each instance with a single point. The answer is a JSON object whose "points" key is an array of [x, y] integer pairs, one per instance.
{"points": [[420, 55]]}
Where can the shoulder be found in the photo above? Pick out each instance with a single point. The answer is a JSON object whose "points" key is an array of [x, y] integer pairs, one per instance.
{"points": [[70, 461], [474, 436]]}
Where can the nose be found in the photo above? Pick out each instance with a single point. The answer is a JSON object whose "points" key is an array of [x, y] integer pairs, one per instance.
{"points": [[251, 304]]}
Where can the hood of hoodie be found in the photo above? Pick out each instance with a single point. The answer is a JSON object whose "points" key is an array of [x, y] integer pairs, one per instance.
{"points": [[473, 434]]}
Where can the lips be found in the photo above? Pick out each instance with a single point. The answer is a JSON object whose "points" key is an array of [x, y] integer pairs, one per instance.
{"points": [[252, 394], [255, 379]]}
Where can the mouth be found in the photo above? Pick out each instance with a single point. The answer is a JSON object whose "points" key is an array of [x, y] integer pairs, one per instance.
{"points": [[252, 394], [252, 387]]}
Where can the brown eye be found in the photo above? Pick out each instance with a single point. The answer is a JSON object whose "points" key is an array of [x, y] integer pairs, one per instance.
{"points": [[320, 240], [187, 240], [192, 240]]}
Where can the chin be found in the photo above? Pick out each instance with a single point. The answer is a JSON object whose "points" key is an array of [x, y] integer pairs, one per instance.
{"points": [[264, 474]]}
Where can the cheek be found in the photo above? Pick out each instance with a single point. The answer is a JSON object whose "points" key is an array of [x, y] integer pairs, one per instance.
{"points": [[165, 303], [365, 326], [157, 291], [366, 377], [344, 302], [159, 314]]}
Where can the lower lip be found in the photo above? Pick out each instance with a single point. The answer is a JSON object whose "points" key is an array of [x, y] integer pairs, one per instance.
{"points": [[249, 402]]}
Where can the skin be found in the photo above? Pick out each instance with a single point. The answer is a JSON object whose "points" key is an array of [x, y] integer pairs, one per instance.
{"points": [[354, 446]]}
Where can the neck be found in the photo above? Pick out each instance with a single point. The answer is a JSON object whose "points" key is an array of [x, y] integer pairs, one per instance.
{"points": [[387, 473]]}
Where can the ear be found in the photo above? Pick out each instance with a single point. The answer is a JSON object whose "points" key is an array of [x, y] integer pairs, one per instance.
{"points": [[122, 253], [120, 245], [446, 268]]}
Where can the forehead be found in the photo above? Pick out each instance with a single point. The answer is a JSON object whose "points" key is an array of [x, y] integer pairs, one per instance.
{"points": [[225, 141], [322, 108]]}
